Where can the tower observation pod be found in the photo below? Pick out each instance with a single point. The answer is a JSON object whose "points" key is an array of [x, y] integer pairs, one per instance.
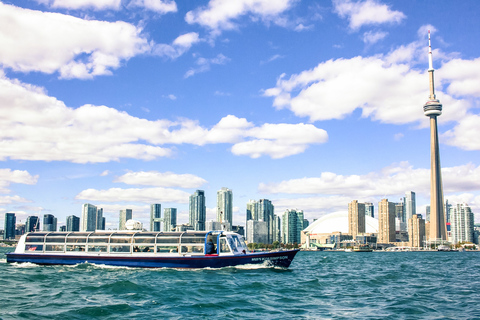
{"points": [[432, 109]]}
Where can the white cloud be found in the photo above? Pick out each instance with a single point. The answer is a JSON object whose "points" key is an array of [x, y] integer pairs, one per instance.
{"points": [[73, 47], [204, 64], [44, 128], [159, 6], [300, 27], [465, 134], [9, 176], [178, 47], [146, 195], [105, 173], [83, 4], [369, 12], [220, 15], [371, 37], [161, 179]]}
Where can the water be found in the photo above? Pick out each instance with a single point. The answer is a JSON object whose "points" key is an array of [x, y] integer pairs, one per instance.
{"points": [[318, 285]]}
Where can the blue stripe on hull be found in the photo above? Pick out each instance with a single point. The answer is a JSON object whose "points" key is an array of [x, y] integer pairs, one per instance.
{"points": [[280, 259]]}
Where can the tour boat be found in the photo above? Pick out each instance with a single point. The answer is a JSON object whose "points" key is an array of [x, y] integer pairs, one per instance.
{"points": [[190, 249]]}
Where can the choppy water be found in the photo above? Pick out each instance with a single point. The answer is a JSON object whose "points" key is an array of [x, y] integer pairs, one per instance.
{"points": [[318, 285]]}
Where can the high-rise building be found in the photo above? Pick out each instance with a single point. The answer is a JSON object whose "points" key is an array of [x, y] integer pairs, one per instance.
{"points": [[292, 226], [156, 217], [62, 228], [462, 224], [257, 231], [170, 219], [416, 231], [225, 207], [73, 223], [49, 222], [433, 109], [277, 229], [410, 205], [100, 219], [262, 210], [9, 226], [369, 209], [125, 215], [197, 210], [356, 218], [386, 222], [32, 224], [88, 221]]}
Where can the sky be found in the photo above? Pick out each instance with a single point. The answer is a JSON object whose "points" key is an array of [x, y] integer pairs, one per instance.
{"points": [[310, 104]]}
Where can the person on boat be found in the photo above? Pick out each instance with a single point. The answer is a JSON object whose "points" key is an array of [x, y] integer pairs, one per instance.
{"points": [[210, 249]]}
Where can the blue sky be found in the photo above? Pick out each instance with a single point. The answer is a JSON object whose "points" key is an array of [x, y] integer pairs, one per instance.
{"points": [[311, 104]]}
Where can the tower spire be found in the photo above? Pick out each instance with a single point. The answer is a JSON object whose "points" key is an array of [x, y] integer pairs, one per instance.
{"points": [[430, 68]]}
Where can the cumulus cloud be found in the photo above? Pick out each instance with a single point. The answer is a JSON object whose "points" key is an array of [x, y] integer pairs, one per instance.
{"points": [[44, 128], [83, 4], [9, 176], [204, 64], [74, 47], [161, 179], [369, 12], [221, 15], [146, 195], [372, 37], [178, 47], [159, 6]]}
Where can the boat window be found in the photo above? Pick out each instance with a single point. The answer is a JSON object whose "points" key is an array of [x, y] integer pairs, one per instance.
{"points": [[167, 240], [143, 249], [119, 248], [120, 239], [55, 238], [77, 239], [193, 239], [34, 239], [144, 240], [54, 247], [101, 239], [95, 248], [165, 249], [239, 242], [34, 247], [192, 249], [223, 245], [72, 247]]}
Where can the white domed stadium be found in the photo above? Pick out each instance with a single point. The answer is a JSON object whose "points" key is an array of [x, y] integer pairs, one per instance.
{"points": [[338, 222]]}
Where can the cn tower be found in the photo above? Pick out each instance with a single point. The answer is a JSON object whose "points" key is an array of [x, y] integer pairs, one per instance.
{"points": [[432, 109]]}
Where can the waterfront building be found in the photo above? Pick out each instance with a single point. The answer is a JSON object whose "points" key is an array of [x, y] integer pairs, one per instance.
{"points": [[100, 219], [433, 109], [125, 215], [156, 217], [49, 222], [239, 229], [369, 209], [19, 229], [416, 231], [462, 224], [170, 219], [292, 226], [225, 207], [356, 218], [63, 228], [73, 223], [183, 227], [213, 225], [262, 210], [257, 231], [410, 205], [386, 221], [197, 210], [427, 213], [32, 224], [9, 226], [400, 213], [88, 221]]}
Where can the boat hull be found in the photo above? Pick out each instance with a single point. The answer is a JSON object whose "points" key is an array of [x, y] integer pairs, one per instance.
{"points": [[278, 259]]}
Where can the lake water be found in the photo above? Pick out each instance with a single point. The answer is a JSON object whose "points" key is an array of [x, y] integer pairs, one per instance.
{"points": [[318, 285]]}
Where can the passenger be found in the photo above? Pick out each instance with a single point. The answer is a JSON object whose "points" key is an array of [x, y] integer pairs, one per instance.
{"points": [[136, 249], [210, 248]]}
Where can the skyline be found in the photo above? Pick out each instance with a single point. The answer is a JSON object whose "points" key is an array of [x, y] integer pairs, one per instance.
{"points": [[311, 105]]}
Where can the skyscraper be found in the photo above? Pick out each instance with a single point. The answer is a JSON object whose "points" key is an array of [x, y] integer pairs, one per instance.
{"points": [[386, 221], [369, 209], [197, 210], [32, 224], [432, 109], [125, 215], [292, 226], [416, 231], [356, 218], [462, 224], [225, 207], [410, 205], [73, 223], [100, 219], [49, 222], [170, 219], [89, 217], [156, 217], [9, 226]]}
